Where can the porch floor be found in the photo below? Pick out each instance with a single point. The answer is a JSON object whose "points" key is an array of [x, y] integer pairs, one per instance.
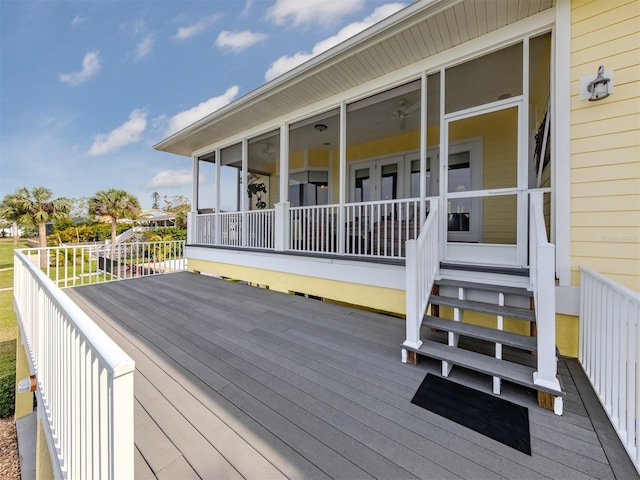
{"points": [[234, 381]]}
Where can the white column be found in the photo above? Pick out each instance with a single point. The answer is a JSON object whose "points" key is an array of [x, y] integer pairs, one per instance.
{"points": [[282, 207], [423, 148], [244, 198], [342, 177]]}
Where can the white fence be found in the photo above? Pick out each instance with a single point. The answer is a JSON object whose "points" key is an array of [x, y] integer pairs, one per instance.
{"points": [[423, 265], [70, 266], [610, 352], [84, 380], [260, 229]]}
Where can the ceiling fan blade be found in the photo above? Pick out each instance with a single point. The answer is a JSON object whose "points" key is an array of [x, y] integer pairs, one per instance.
{"points": [[413, 107]]}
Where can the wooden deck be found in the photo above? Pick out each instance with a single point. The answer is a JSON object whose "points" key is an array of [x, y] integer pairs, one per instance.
{"points": [[234, 381]]}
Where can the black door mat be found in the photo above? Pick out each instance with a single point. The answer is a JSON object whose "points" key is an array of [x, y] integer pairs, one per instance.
{"points": [[489, 415]]}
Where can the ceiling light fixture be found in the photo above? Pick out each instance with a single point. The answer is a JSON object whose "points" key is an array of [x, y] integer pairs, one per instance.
{"points": [[320, 127]]}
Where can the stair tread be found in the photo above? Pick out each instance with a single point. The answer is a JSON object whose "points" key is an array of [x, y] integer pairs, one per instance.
{"points": [[483, 333], [483, 307], [487, 287], [501, 269], [512, 372]]}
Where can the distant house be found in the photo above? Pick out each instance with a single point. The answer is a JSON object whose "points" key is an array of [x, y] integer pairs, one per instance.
{"points": [[155, 219]]}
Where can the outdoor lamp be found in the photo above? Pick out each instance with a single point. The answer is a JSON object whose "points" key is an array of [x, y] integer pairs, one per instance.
{"points": [[28, 384], [599, 86]]}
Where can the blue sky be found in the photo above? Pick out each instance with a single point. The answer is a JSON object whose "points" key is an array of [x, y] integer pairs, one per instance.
{"points": [[88, 87]]}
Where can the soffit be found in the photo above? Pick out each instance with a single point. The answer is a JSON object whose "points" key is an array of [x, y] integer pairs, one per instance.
{"points": [[419, 31]]}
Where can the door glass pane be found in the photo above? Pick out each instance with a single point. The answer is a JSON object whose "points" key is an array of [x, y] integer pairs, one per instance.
{"points": [[363, 185], [415, 178], [459, 209], [389, 182]]}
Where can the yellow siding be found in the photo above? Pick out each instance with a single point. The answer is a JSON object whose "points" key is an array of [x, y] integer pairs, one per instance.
{"points": [[605, 142], [318, 159]]}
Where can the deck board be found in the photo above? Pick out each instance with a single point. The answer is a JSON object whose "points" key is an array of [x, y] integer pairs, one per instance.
{"points": [[235, 381]]}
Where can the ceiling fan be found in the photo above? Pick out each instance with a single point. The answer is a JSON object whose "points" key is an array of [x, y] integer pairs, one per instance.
{"points": [[403, 111]]}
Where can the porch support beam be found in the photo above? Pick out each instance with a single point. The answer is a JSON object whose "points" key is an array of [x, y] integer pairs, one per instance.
{"points": [[281, 241], [561, 150], [216, 199], [244, 197], [423, 148], [195, 184], [342, 176]]}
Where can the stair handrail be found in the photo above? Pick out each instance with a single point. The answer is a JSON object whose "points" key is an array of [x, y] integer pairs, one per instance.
{"points": [[422, 267], [542, 278]]}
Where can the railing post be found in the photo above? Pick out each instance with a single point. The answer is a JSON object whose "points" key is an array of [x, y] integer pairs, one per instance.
{"points": [[122, 433], [192, 226], [281, 226], [413, 322]]}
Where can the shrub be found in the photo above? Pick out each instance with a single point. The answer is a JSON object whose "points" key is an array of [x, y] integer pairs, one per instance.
{"points": [[7, 395]]}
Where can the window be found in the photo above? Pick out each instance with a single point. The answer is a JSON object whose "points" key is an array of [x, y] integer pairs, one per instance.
{"points": [[309, 188]]}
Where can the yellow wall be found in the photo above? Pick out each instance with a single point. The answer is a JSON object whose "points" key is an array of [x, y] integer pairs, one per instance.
{"points": [[24, 401], [605, 142], [386, 299]]}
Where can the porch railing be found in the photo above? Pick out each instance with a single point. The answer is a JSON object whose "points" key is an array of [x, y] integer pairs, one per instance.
{"points": [[76, 265], [314, 229], [260, 228], [610, 352], [84, 380], [423, 265], [374, 229], [543, 281]]}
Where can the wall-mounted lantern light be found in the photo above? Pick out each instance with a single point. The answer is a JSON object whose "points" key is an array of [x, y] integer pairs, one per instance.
{"points": [[597, 87]]}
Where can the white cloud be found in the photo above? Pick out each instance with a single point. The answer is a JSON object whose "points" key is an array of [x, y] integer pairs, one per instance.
{"points": [[189, 31], [128, 132], [144, 47], [170, 178], [286, 63], [187, 117], [90, 68], [322, 12], [238, 41], [78, 19]]}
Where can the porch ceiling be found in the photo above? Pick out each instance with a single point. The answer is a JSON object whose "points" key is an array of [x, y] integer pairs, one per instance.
{"points": [[421, 30]]}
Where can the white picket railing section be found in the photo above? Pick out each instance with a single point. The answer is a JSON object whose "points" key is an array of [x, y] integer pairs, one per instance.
{"points": [[260, 228], [314, 229], [610, 352], [204, 228], [543, 281], [381, 228], [70, 266], [422, 267], [84, 380]]}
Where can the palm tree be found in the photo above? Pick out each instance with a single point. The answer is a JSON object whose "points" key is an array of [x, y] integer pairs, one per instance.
{"points": [[36, 208], [114, 203], [9, 211]]}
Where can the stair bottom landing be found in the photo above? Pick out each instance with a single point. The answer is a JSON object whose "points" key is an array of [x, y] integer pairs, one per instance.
{"points": [[477, 356]]}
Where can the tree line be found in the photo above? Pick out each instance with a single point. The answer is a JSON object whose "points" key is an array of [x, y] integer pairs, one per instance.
{"points": [[33, 209]]}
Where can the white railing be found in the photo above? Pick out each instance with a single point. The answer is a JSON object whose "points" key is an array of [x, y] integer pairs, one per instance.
{"points": [[70, 266], [374, 229], [422, 267], [543, 281], [84, 380], [260, 228], [204, 229], [610, 352], [314, 229], [381, 228], [230, 229]]}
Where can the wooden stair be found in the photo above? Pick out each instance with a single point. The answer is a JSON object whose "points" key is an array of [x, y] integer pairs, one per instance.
{"points": [[503, 301]]}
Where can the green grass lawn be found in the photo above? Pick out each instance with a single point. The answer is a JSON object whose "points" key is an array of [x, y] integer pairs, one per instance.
{"points": [[7, 327]]}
